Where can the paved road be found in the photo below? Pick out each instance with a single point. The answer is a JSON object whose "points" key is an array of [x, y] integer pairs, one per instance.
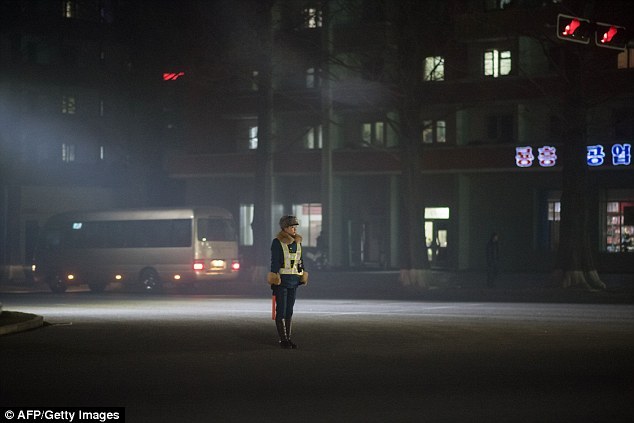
{"points": [[206, 358]]}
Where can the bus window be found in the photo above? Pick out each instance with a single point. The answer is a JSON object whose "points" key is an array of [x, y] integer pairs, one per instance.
{"points": [[216, 230]]}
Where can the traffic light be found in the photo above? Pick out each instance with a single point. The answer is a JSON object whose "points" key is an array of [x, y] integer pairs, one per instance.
{"points": [[610, 36], [572, 28]]}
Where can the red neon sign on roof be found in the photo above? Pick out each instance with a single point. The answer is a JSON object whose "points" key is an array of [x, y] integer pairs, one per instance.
{"points": [[172, 76]]}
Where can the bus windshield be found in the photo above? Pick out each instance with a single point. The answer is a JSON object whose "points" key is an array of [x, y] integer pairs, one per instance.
{"points": [[214, 229]]}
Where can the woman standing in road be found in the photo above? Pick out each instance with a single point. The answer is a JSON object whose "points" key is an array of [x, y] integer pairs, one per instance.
{"points": [[286, 275]]}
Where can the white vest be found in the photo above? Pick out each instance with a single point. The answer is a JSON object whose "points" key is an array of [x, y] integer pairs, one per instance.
{"points": [[291, 260]]}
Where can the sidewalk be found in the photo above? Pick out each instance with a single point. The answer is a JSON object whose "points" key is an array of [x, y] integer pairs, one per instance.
{"points": [[465, 286], [13, 322]]}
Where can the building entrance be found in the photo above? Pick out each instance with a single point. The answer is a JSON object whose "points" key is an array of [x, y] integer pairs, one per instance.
{"points": [[436, 235]]}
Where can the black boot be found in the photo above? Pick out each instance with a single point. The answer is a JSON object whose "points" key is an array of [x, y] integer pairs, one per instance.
{"points": [[281, 332], [288, 333]]}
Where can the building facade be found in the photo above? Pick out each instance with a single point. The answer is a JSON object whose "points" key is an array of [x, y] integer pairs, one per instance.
{"points": [[124, 104], [81, 115], [490, 107]]}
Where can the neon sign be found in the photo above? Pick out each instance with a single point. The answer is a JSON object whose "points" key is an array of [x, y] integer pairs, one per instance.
{"points": [[621, 154], [595, 155], [172, 76], [547, 156]]}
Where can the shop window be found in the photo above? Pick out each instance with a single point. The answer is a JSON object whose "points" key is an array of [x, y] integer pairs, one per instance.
{"points": [[619, 230], [436, 234], [309, 216]]}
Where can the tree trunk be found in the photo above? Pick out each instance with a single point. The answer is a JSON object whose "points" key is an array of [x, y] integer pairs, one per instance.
{"points": [[576, 266], [264, 169], [414, 260]]}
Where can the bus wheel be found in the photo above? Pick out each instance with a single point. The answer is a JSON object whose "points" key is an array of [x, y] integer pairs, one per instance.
{"points": [[150, 280], [56, 284]]}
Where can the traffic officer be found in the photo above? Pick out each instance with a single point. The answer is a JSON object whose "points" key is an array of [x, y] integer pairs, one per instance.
{"points": [[287, 273]]}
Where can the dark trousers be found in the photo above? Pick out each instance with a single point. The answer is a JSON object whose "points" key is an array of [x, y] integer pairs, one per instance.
{"points": [[284, 302]]}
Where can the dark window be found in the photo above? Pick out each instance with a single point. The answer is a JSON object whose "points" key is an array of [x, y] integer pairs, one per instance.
{"points": [[216, 230], [123, 234]]}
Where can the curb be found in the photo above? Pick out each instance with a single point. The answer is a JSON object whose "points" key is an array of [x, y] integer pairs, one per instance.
{"points": [[33, 323]]}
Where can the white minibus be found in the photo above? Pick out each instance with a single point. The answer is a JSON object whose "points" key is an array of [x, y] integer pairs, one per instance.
{"points": [[145, 246]]}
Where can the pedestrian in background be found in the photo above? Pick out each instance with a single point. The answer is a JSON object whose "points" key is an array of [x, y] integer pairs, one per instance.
{"points": [[286, 275], [493, 256]]}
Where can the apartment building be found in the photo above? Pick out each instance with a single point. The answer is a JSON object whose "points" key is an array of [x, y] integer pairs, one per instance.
{"points": [[490, 102]]}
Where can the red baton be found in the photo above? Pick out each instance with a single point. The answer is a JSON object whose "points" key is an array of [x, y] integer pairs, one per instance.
{"points": [[273, 307]]}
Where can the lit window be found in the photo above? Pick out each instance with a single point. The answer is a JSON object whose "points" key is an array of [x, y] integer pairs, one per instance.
{"points": [[68, 105], [246, 220], [312, 138], [309, 216], [311, 78], [497, 63], [253, 138], [102, 153], [69, 8], [554, 219], [312, 17], [255, 78], [437, 213], [373, 133], [68, 153], [434, 68], [619, 230], [434, 131]]}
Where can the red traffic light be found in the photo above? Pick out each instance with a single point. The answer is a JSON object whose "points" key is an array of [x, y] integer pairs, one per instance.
{"points": [[572, 28], [610, 36]]}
